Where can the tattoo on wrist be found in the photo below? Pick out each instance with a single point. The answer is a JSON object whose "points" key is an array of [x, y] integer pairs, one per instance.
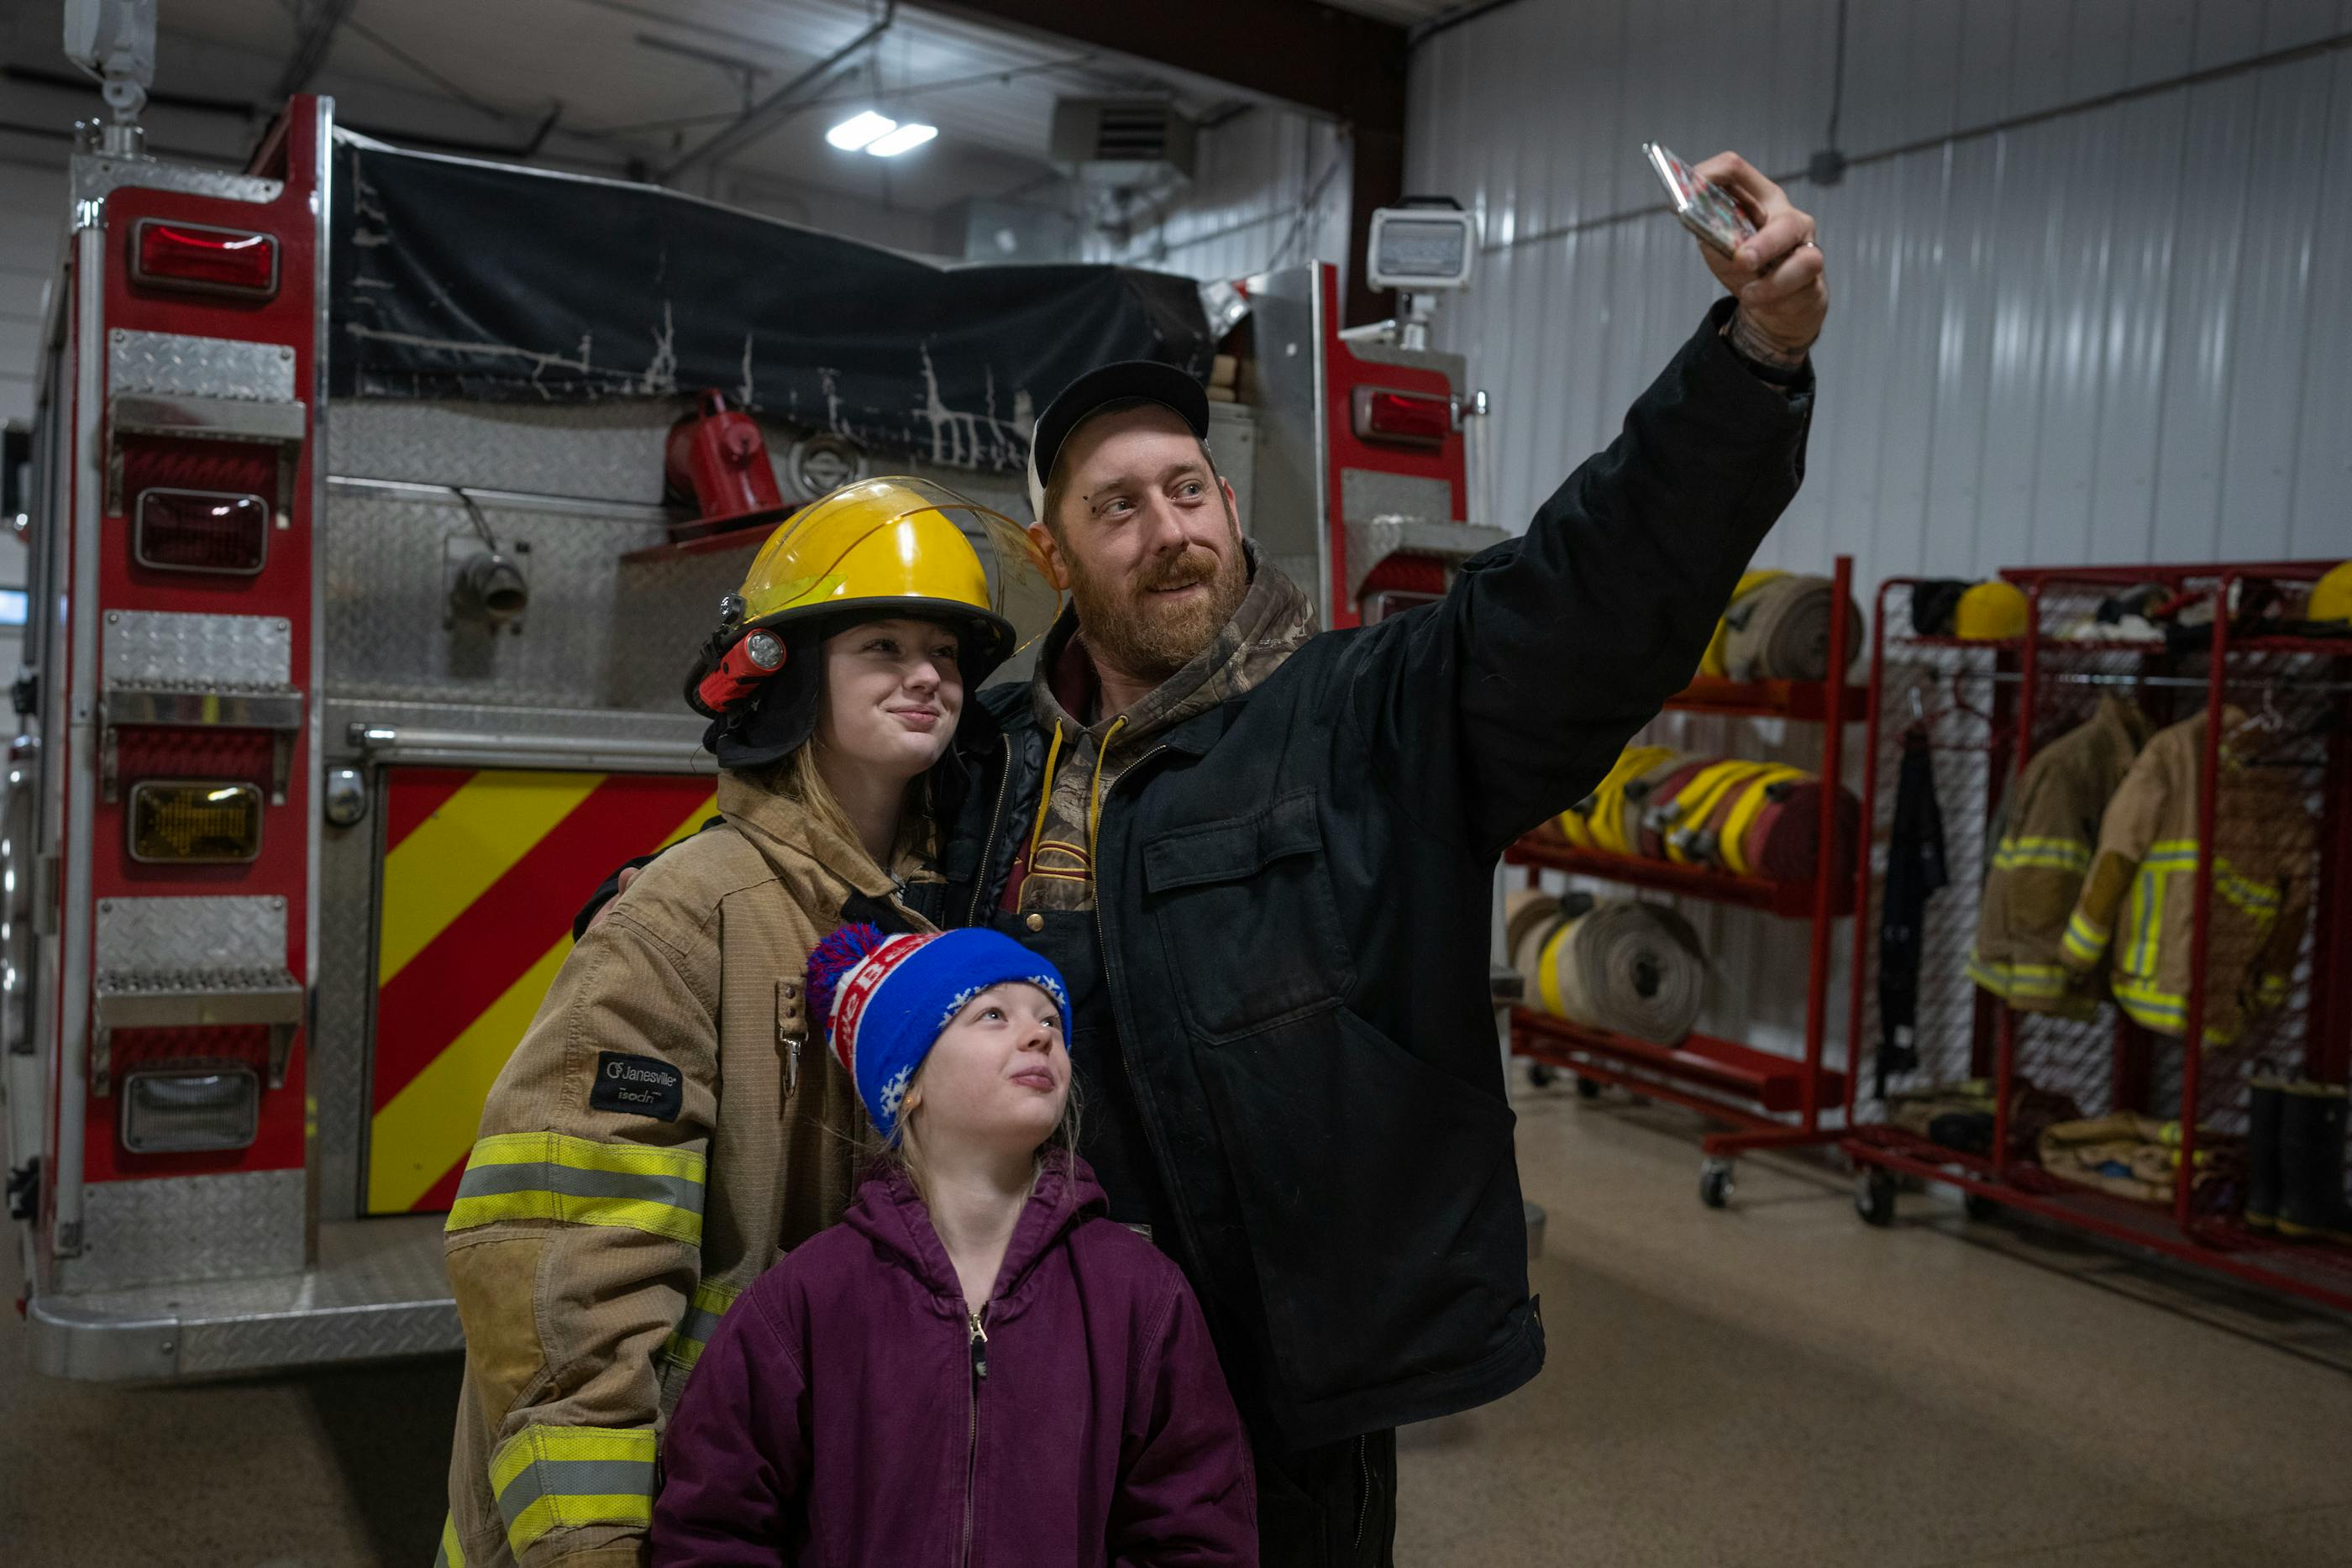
{"points": [[1749, 343]]}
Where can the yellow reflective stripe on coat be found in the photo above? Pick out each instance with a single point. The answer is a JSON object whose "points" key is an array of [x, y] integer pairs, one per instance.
{"points": [[2083, 941], [560, 1477], [710, 1304], [575, 1181], [2050, 854], [453, 1553], [2258, 899], [2037, 982]]}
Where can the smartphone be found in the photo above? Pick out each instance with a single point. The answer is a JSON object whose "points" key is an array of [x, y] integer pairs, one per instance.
{"points": [[1705, 207]]}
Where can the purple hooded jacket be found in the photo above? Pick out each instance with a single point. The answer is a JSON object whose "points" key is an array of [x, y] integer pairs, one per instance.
{"points": [[843, 1413]]}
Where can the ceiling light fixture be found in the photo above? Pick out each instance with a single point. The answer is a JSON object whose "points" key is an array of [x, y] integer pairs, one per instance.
{"points": [[904, 138], [862, 128]]}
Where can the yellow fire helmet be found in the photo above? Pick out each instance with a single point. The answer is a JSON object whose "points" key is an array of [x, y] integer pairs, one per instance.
{"points": [[1990, 613], [2331, 596], [869, 550]]}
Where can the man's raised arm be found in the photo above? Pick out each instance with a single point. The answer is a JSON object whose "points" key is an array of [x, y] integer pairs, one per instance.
{"points": [[1512, 699]]}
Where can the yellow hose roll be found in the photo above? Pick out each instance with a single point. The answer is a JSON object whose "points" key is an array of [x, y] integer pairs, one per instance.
{"points": [[1730, 841], [1700, 796], [1711, 663], [1632, 969]]}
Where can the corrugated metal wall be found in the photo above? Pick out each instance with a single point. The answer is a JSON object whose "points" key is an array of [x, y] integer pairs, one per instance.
{"points": [[2116, 333], [2120, 331], [1270, 187]]}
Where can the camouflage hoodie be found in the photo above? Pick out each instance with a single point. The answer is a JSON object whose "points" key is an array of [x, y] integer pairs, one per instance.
{"points": [[1083, 760]]}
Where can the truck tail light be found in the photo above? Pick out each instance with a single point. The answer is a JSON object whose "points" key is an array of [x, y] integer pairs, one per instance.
{"points": [[179, 821], [201, 530], [169, 254], [184, 1112], [1402, 419]]}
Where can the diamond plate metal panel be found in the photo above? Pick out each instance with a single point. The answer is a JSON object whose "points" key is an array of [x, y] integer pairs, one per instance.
{"points": [[1365, 494], [599, 634], [378, 1289], [606, 452], [212, 653], [140, 940], [602, 452], [240, 1226], [171, 364], [94, 178]]}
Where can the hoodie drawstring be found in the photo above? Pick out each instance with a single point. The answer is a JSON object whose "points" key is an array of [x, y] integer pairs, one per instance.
{"points": [[1045, 794], [1094, 800], [1093, 791]]}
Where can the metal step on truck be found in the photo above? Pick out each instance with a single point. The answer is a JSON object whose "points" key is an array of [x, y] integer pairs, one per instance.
{"points": [[379, 501]]}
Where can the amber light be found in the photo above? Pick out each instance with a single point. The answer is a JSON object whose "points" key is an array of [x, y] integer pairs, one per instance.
{"points": [[197, 256], [192, 823], [1410, 418], [201, 530]]}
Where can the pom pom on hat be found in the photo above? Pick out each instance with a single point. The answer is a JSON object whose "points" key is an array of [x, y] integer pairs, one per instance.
{"points": [[882, 1000], [830, 962]]}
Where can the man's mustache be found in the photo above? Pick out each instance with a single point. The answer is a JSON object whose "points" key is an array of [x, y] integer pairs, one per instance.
{"points": [[1195, 565]]}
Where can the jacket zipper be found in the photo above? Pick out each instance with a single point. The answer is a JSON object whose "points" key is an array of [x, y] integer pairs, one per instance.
{"points": [[978, 1341], [988, 844], [1363, 1488]]}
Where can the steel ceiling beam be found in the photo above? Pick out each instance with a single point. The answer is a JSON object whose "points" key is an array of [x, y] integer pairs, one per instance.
{"points": [[1330, 62], [780, 105], [316, 37]]}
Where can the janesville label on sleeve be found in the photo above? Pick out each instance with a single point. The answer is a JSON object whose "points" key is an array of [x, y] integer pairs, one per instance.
{"points": [[637, 1086]]}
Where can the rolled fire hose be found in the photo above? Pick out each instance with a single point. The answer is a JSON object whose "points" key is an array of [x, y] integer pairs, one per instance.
{"points": [[1778, 630], [1632, 969]]}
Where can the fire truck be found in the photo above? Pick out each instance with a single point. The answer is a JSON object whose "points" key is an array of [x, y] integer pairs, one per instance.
{"points": [[355, 649]]}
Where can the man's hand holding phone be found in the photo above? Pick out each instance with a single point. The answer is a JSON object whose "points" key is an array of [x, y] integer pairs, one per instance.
{"points": [[1775, 273]]}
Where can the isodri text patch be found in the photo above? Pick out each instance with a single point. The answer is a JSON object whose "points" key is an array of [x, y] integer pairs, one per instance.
{"points": [[637, 1086]]}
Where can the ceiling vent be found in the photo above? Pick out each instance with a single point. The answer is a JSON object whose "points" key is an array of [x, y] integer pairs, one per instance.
{"points": [[1122, 141]]}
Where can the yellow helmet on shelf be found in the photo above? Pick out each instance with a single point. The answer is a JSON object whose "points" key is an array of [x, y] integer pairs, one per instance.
{"points": [[2331, 596], [1991, 612]]}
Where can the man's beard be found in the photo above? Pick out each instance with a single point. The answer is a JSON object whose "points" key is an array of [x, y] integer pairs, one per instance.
{"points": [[1148, 638]]}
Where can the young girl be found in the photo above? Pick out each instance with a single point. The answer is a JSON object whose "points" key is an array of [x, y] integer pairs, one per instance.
{"points": [[976, 1366]]}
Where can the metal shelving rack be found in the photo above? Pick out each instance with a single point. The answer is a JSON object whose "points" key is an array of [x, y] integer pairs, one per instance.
{"points": [[1984, 706], [1756, 1092]]}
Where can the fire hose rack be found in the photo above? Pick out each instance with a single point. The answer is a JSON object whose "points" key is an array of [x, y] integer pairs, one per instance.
{"points": [[1767, 1100]]}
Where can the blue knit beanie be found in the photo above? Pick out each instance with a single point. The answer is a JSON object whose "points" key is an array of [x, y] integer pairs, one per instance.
{"points": [[883, 1000]]}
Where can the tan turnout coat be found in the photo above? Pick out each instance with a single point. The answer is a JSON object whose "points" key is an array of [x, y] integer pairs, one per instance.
{"points": [[669, 1126]]}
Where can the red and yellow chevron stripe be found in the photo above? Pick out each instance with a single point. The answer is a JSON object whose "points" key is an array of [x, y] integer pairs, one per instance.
{"points": [[482, 874]]}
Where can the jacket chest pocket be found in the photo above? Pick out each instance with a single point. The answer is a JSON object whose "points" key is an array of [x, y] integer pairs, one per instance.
{"points": [[1244, 913]]}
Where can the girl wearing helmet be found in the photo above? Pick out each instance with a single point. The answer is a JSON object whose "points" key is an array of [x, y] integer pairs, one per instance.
{"points": [[664, 1130]]}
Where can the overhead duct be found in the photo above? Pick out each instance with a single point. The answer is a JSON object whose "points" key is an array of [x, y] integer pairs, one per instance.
{"points": [[1123, 141]]}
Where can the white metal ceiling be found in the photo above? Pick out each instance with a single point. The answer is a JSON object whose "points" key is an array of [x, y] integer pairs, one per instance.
{"points": [[645, 80]]}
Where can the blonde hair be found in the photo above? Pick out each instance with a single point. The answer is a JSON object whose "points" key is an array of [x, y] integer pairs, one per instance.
{"points": [[796, 777]]}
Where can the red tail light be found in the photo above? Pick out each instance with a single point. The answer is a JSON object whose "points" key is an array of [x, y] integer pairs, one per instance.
{"points": [[201, 530], [1406, 418], [169, 254]]}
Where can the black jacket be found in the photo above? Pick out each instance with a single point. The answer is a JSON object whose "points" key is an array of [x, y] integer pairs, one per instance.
{"points": [[1295, 888]]}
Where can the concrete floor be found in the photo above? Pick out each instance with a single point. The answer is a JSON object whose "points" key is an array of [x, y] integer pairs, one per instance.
{"points": [[1773, 1385]]}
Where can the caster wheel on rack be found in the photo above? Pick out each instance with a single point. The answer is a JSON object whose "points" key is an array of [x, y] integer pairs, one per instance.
{"points": [[1588, 1088], [1980, 1207], [1541, 1073], [1714, 1183], [1873, 1195]]}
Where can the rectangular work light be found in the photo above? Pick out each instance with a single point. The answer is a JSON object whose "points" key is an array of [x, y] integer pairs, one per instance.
{"points": [[183, 821], [190, 1111], [200, 530]]}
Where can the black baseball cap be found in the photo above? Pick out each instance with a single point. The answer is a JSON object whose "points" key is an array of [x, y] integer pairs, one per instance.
{"points": [[1128, 380]]}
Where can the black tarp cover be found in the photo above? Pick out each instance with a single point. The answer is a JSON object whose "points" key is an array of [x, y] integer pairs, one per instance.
{"points": [[460, 279]]}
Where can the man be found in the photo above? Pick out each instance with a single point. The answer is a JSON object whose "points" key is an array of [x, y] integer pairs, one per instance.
{"points": [[1263, 857]]}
